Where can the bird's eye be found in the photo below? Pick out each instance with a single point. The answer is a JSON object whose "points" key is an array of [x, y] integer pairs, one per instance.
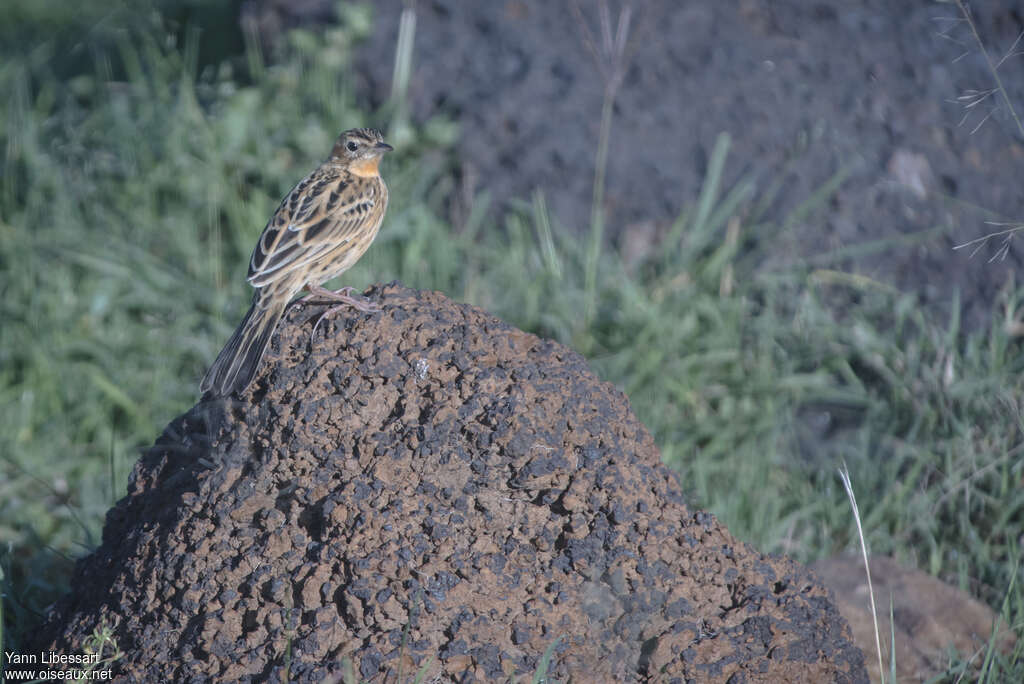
{"points": [[352, 146]]}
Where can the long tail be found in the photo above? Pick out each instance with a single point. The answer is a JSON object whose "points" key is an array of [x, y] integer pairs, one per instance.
{"points": [[237, 363]]}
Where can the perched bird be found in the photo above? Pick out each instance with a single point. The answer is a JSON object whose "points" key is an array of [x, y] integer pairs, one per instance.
{"points": [[318, 232]]}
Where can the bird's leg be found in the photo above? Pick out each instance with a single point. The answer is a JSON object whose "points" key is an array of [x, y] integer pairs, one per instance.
{"points": [[344, 295], [317, 292]]}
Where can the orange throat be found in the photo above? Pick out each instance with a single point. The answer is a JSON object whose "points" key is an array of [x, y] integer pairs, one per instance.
{"points": [[366, 168]]}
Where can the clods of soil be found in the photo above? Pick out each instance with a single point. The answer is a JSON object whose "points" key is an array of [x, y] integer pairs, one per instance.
{"points": [[430, 483]]}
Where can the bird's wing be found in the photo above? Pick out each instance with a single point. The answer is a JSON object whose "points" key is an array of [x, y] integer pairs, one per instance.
{"points": [[324, 211]]}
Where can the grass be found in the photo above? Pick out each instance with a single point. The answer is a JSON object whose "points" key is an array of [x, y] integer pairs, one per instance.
{"points": [[133, 188], [844, 475]]}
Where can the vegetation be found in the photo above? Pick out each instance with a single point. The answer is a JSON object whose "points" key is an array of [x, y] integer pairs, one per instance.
{"points": [[136, 177]]}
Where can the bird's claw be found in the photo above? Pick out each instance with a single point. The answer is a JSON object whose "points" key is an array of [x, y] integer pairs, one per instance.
{"points": [[345, 297]]}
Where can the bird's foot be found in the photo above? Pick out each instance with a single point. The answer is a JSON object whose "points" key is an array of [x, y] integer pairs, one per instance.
{"points": [[344, 296]]}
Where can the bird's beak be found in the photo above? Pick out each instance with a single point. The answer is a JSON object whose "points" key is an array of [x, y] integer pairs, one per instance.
{"points": [[383, 147]]}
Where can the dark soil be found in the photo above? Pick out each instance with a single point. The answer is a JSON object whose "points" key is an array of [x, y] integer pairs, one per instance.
{"points": [[805, 89], [429, 482]]}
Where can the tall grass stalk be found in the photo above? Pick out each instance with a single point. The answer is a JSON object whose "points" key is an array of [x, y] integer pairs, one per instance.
{"points": [[401, 131], [597, 214], [844, 475], [971, 99], [610, 56], [992, 66], [3, 601], [545, 236], [990, 649]]}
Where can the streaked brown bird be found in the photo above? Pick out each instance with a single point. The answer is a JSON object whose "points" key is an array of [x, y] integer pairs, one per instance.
{"points": [[318, 232]]}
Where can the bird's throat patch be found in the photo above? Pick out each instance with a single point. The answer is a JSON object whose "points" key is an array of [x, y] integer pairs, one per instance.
{"points": [[366, 168]]}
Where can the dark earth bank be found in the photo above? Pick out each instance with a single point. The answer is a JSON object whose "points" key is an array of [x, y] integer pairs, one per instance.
{"points": [[807, 90]]}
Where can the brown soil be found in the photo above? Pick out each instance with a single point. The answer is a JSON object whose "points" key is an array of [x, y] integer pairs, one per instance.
{"points": [[931, 618], [429, 482]]}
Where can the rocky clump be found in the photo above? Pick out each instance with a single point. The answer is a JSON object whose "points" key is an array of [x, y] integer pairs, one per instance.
{"points": [[430, 483]]}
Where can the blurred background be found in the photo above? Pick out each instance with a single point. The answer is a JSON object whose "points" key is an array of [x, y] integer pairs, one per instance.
{"points": [[784, 229]]}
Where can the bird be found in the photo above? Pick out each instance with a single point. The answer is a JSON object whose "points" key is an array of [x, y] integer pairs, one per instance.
{"points": [[320, 230]]}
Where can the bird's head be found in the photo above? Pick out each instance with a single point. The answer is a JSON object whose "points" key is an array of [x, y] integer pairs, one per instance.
{"points": [[361, 149]]}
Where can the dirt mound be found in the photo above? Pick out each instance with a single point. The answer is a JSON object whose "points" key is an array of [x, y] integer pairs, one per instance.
{"points": [[429, 482]]}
